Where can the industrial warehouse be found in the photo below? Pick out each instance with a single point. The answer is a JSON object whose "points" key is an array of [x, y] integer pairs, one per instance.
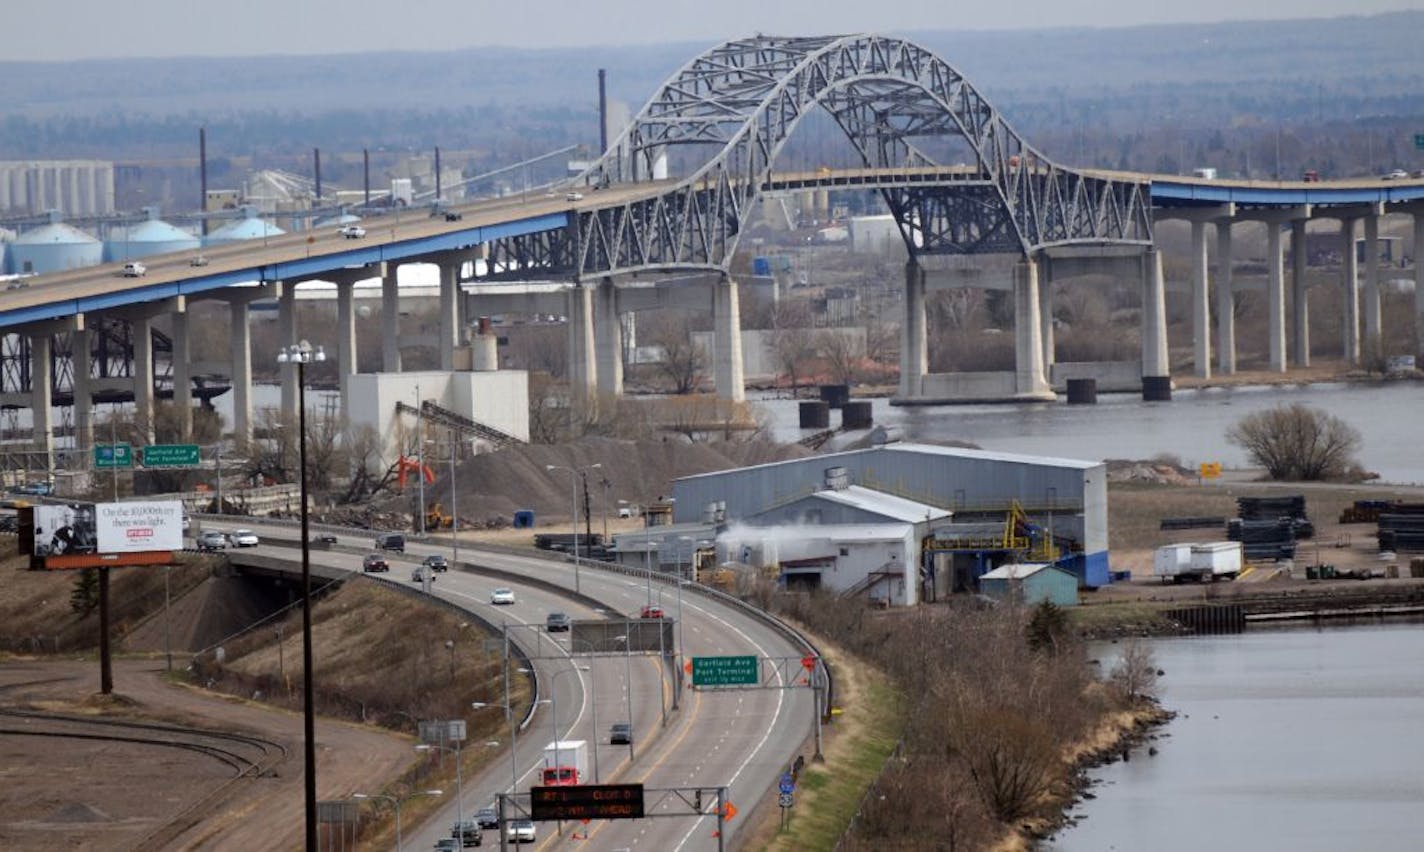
{"points": [[897, 524]]}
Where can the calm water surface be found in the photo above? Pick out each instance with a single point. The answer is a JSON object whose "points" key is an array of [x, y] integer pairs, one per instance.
{"points": [[1294, 739], [1389, 416]]}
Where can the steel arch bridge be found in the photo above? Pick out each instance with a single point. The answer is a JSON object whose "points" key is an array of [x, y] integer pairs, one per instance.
{"points": [[900, 106]]}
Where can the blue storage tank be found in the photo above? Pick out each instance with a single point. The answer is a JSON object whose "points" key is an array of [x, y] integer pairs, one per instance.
{"points": [[250, 227], [761, 266], [55, 247], [149, 237]]}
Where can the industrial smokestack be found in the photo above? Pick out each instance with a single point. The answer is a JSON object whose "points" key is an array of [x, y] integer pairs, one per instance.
{"points": [[366, 170], [203, 176], [316, 158], [438, 197], [602, 111]]}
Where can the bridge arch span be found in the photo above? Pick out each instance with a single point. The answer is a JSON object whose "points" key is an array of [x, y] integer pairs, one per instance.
{"points": [[900, 106]]}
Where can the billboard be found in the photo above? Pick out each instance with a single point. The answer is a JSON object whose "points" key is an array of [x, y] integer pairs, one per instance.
{"points": [[140, 527], [88, 535]]}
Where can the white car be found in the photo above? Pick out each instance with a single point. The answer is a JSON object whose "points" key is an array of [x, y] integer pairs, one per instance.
{"points": [[1397, 174], [243, 538], [501, 596], [574, 196], [520, 831], [352, 232], [134, 269]]}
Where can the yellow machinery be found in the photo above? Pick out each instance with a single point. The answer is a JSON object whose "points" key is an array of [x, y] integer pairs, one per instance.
{"points": [[436, 518]]}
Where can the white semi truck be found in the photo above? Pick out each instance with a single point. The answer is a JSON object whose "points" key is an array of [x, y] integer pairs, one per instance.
{"points": [[566, 763], [1204, 562]]}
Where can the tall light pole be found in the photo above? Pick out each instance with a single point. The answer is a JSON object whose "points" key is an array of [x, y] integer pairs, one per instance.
{"points": [[459, 786], [554, 708], [513, 730], [454, 509], [574, 472], [397, 803], [302, 354], [419, 463]]}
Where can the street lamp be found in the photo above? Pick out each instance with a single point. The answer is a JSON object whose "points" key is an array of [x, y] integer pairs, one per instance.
{"points": [[459, 787], [513, 729], [554, 708], [397, 803], [302, 354], [574, 472]]}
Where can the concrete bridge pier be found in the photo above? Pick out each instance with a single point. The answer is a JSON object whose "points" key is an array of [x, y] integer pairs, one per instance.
{"points": [[914, 342], [345, 343], [1029, 377], [1274, 221], [240, 353], [42, 379], [140, 318], [727, 341], [1201, 304], [1225, 302], [583, 354], [1350, 273], [1200, 218], [1373, 328], [1045, 315], [81, 357], [182, 374], [390, 319], [1300, 296], [1155, 364], [449, 333], [608, 340]]}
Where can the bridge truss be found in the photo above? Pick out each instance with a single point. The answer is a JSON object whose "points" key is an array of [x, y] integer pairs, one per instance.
{"points": [[731, 110]]}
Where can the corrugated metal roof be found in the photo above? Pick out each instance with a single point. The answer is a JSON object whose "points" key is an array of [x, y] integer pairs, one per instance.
{"points": [[989, 455], [1014, 572], [881, 503]]}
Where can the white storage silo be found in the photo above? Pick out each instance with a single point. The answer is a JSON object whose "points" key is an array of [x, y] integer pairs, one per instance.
{"points": [[249, 227], [152, 236], [54, 247]]}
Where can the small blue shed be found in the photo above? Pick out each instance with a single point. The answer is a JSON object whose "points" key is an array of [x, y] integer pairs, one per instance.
{"points": [[1031, 584]]}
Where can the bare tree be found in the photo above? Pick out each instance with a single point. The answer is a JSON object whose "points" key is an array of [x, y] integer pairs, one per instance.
{"points": [[1297, 442], [1135, 675], [683, 362], [844, 353]]}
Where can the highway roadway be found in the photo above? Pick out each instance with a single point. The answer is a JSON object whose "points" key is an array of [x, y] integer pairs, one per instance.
{"points": [[742, 739]]}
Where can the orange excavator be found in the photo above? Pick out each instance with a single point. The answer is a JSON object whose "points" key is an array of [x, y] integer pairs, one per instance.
{"points": [[406, 465]]}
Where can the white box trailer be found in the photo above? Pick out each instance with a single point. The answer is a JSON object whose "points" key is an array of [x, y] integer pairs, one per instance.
{"points": [[1217, 559], [565, 763], [1202, 562], [1171, 561]]}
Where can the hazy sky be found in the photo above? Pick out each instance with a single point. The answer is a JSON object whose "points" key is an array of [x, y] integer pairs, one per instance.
{"points": [[84, 29]]}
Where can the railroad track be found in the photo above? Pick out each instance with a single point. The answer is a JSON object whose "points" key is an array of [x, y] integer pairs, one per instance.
{"points": [[246, 756]]}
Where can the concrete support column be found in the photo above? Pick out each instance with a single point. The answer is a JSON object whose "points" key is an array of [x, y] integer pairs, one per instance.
{"points": [[1225, 302], [1029, 379], [727, 341], [287, 336], [182, 375], [1300, 296], [1418, 254], [41, 401], [608, 334], [449, 313], [1045, 317], [345, 336], [81, 362], [1154, 317], [143, 376], [914, 342], [1201, 304], [1350, 273], [583, 368], [1373, 328], [390, 321], [241, 352], [1275, 298]]}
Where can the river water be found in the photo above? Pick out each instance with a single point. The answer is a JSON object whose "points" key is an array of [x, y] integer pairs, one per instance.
{"points": [[1388, 415], [1298, 739]]}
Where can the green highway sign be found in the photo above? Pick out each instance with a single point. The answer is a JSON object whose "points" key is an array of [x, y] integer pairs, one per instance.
{"points": [[725, 671], [171, 455], [108, 456]]}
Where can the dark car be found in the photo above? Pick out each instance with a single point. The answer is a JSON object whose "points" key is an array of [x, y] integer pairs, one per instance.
{"points": [[436, 562], [621, 733], [391, 541], [467, 832], [374, 562], [487, 818], [453, 216], [558, 621], [325, 538]]}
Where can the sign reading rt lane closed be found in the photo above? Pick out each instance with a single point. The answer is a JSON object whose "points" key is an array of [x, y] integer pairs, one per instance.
{"points": [[725, 671], [587, 801]]}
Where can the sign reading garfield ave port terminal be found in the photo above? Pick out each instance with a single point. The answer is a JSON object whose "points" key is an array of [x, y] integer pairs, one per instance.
{"points": [[725, 671], [587, 801]]}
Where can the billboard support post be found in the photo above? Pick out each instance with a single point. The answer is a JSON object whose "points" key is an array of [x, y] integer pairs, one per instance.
{"points": [[106, 665]]}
